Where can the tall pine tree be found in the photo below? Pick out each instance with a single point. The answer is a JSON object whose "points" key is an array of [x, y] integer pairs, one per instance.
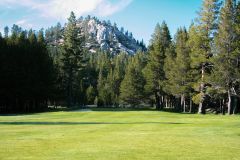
{"points": [[201, 42], [132, 86], [225, 66], [177, 68], [72, 57], [154, 71]]}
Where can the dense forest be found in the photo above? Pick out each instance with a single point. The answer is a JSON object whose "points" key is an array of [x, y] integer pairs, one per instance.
{"points": [[196, 71]]}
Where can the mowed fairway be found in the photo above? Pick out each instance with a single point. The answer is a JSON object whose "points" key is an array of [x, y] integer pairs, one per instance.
{"points": [[123, 135]]}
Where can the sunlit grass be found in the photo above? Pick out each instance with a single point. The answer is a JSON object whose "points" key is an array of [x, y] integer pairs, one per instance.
{"points": [[108, 135]]}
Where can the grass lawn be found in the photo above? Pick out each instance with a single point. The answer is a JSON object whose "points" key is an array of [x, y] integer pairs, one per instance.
{"points": [[120, 135]]}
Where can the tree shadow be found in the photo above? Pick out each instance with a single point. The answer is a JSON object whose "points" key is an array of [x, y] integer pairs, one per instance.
{"points": [[49, 110], [86, 123], [120, 109], [77, 109], [177, 111]]}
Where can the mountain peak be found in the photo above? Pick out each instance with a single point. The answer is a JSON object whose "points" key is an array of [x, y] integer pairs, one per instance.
{"points": [[107, 37], [99, 35]]}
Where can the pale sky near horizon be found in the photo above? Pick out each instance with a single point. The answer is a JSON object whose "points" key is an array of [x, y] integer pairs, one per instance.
{"points": [[137, 16]]}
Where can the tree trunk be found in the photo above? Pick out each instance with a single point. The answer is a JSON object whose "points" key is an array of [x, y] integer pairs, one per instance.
{"points": [[235, 105], [70, 88], [184, 105], [190, 107], [229, 102], [157, 98], [223, 107], [201, 109], [166, 102], [179, 107], [220, 106], [182, 102], [162, 104]]}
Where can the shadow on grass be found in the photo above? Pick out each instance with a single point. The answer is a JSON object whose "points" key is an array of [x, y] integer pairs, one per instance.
{"points": [[172, 110], [120, 109], [49, 110], [167, 110], [95, 109], [85, 123]]}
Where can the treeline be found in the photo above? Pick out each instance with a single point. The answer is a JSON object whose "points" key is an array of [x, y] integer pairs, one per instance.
{"points": [[199, 65], [26, 71], [196, 71]]}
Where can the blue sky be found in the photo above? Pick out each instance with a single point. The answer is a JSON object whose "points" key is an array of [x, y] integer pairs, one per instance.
{"points": [[138, 16]]}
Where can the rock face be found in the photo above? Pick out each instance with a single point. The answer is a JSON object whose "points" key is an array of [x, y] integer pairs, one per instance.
{"points": [[106, 37], [99, 35]]}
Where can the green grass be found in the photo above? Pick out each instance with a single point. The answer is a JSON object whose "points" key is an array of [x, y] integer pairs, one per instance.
{"points": [[109, 135]]}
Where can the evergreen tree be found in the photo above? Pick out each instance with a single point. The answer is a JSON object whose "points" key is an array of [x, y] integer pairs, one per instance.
{"points": [[91, 94], [226, 69], [40, 37], [57, 31], [170, 67], [236, 108], [132, 86], [178, 68], [72, 57], [27, 79], [154, 71], [118, 75], [6, 31], [201, 42], [16, 30], [105, 89]]}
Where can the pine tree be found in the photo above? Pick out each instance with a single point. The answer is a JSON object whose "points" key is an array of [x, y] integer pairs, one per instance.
{"points": [[32, 37], [109, 89], [100, 85], [16, 30], [91, 94], [26, 73], [226, 69], [72, 57], [237, 52], [177, 68], [105, 89], [154, 71], [104, 67], [118, 75], [201, 42], [170, 71], [6, 31], [132, 86]]}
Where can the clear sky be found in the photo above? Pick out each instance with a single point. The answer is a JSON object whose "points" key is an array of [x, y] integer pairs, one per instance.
{"points": [[138, 16]]}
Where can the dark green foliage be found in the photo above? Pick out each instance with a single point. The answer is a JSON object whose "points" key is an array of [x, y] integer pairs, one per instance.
{"points": [[226, 71], [178, 70], [154, 71], [201, 42], [200, 65], [26, 72], [91, 95], [132, 86], [72, 60], [6, 31]]}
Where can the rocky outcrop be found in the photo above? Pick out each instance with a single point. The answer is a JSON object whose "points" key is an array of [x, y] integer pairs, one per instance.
{"points": [[99, 35], [106, 37]]}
